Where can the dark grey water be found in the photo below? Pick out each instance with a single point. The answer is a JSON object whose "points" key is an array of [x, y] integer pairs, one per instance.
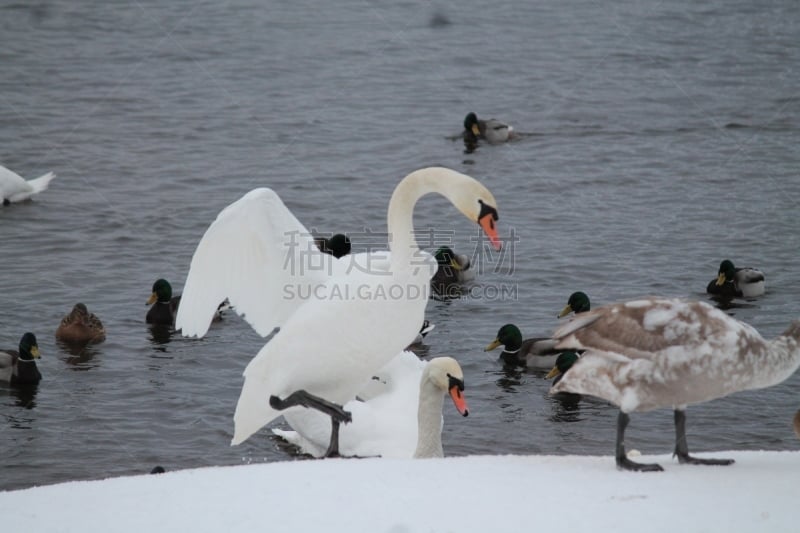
{"points": [[659, 139]]}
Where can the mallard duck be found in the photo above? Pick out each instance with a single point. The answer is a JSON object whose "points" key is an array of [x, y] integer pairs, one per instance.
{"points": [[337, 245], [19, 367], [732, 282], [539, 353], [14, 188], [451, 270], [81, 326], [577, 303], [164, 307], [657, 352], [564, 362], [492, 131]]}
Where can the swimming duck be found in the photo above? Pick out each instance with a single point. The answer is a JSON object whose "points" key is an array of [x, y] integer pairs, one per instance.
{"points": [[492, 131], [732, 282], [358, 335], [403, 419], [164, 307], [81, 326], [657, 352], [577, 303], [564, 362], [451, 270], [14, 188], [539, 353], [337, 245], [19, 367]]}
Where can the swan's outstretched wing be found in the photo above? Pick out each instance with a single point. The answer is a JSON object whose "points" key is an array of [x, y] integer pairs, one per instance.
{"points": [[260, 257]]}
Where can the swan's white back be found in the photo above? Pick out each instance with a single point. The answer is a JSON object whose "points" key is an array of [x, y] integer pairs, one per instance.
{"points": [[14, 188], [386, 425]]}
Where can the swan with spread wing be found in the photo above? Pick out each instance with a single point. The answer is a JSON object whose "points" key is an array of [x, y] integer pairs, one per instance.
{"points": [[340, 320]]}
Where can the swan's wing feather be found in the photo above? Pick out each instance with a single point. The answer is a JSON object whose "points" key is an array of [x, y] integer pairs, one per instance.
{"points": [[640, 328], [650, 327], [12, 184], [260, 257]]}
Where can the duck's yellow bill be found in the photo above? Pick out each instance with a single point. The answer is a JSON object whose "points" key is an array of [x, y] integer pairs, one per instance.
{"points": [[495, 343], [553, 373], [152, 299], [567, 310]]}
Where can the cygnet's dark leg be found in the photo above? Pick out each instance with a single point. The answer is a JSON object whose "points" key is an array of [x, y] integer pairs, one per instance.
{"points": [[305, 399], [623, 462], [682, 449]]}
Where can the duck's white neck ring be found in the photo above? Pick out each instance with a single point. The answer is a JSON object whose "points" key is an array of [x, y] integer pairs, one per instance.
{"points": [[20, 360], [513, 351]]}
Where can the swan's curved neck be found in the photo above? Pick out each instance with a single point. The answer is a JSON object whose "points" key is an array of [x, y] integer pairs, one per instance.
{"points": [[401, 212], [429, 420]]}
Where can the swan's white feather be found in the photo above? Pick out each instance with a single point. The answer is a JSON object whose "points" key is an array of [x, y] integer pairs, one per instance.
{"points": [[256, 251], [659, 352], [386, 425], [342, 361], [15, 188]]}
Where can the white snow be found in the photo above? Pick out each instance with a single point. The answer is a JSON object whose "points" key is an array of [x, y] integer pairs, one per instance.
{"points": [[479, 493]]}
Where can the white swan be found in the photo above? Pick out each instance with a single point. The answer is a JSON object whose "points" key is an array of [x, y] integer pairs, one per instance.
{"points": [[401, 419], [658, 352], [14, 188], [341, 320]]}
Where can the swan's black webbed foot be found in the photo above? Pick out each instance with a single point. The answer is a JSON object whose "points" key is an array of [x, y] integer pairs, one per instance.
{"points": [[334, 410], [623, 463], [682, 448], [686, 459], [305, 399]]}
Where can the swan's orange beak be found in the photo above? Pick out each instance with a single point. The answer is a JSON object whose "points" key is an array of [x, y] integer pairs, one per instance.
{"points": [[458, 400], [490, 229]]}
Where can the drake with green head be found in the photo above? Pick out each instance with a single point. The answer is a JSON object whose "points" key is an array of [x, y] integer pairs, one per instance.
{"points": [[564, 362], [492, 131], [577, 303], [164, 307], [732, 282], [537, 353], [19, 367], [451, 270]]}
